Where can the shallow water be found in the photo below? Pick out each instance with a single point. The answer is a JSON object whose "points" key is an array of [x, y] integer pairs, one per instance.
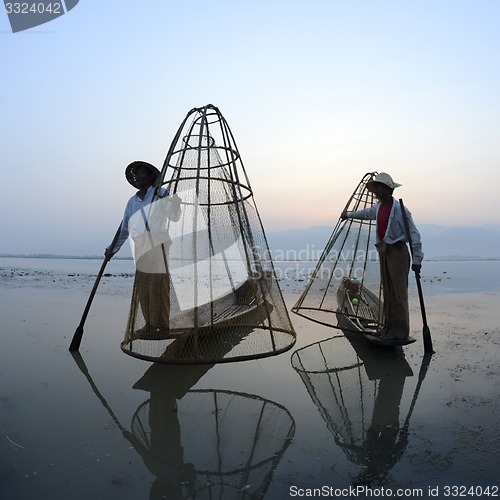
{"points": [[439, 276], [331, 412]]}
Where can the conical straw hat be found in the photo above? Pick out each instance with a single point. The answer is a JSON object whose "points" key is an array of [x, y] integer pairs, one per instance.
{"points": [[382, 178]]}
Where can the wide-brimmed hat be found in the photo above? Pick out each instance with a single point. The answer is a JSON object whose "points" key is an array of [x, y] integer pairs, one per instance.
{"points": [[130, 171], [382, 178]]}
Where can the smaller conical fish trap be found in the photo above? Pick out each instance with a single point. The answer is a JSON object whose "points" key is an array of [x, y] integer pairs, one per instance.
{"points": [[345, 290], [208, 292]]}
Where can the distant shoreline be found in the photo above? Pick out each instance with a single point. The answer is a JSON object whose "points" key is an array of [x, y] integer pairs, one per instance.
{"points": [[56, 256], [445, 258]]}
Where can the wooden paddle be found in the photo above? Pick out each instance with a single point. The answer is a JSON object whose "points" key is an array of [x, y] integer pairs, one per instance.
{"points": [[426, 332], [77, 337]]}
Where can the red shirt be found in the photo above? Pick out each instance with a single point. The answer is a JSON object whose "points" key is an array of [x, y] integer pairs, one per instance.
{"points": [[383, 219]]}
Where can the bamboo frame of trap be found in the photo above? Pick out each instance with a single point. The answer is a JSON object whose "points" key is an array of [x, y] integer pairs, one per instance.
{"points": [[348, 269], [219, 291]]}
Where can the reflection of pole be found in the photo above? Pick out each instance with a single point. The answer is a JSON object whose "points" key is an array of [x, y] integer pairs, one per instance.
{"points": [[421, 375], [83, 368]]}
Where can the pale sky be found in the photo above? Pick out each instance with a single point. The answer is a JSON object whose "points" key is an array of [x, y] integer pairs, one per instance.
{"points": [[317, 93]]}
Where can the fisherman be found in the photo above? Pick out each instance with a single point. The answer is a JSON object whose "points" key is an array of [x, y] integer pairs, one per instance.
{"points": [[393, 253], [145, 220]]}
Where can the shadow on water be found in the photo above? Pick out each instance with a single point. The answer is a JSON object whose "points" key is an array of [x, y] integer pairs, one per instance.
{"points": [[203, 443], [358, 393]]}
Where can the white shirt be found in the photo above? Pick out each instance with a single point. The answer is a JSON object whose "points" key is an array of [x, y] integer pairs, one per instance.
{"points": [[396, 230], [141, 214]]}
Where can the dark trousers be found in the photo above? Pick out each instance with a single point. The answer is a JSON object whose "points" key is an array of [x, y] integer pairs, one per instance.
{"points": [[394, 269]]}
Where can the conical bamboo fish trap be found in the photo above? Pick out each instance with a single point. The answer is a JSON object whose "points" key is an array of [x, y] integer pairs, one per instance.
{"points": [[348, 269], [215, 295]]}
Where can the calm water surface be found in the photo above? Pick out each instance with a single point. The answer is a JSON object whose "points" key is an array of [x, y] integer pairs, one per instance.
{"points": [[331, 412], [452, 276]]}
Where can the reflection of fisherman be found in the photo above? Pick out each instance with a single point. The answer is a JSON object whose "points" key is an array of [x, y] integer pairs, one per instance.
{"points": [[164, 453], [196, 451], [375, 443], [394, 256], [385, 441], [145, 219]]}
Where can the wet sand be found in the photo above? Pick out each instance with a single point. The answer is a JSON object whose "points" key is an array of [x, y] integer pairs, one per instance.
{"points": [[333, 412]]}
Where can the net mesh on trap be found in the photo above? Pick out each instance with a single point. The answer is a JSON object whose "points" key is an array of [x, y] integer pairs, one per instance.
{"points": [[205, 289], [345, 289]]}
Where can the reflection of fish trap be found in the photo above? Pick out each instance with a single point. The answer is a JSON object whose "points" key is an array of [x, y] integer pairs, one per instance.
{"points": [[200, 450], [336, 380], [212, 295], [345, 289], [360, 395]]}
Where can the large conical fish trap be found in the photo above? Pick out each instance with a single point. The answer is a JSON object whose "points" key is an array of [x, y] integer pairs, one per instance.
{"points": [[345, 290], [205, 288]]}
